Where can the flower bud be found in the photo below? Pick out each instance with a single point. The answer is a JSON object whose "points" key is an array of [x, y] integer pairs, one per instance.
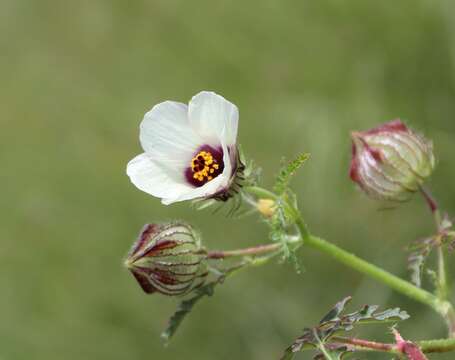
{"points": [[167, 258], [266, 207], [391, 161]]}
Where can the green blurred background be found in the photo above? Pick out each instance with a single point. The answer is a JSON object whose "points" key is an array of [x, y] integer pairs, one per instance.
{"points": [[76, 79]]}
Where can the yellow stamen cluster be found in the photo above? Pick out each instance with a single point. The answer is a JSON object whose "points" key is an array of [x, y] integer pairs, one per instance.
{"points": [[204, 166]]}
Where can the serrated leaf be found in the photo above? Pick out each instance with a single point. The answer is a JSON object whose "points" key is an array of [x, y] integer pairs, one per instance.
{"points": [[368, 315], [279, 223], [185, 308], [286, 173], [336, 310], [336, 321]]}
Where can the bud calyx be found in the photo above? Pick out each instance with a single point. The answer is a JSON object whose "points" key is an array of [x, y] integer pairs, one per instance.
{"points": [[167, 258], [390, 162]]}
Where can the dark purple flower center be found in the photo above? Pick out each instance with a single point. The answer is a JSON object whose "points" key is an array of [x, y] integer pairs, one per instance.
{"points": [[206, 164]]}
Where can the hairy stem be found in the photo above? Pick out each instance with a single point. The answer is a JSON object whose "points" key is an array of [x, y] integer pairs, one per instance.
{"points": [[437, 346], [427, 346], [443, 287], [366, 345], [402, 286], [442, 290], [250, 251]]}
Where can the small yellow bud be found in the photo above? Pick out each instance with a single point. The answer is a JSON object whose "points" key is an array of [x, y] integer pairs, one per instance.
{"points": [[266, 207]]}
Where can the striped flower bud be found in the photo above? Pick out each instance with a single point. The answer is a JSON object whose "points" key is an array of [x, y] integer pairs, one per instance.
{"points": [[167, 258], [390, 162]]}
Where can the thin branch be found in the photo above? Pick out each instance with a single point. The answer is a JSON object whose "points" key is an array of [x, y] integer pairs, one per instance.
{"points": [[431, 201], [254, 250], [360, 344], [262, 249], [427, 346]]}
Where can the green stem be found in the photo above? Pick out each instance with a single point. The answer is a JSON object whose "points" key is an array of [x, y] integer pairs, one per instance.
{"points": [[441, 306], [437, 346], [442, 286], [442, 290], [321, 347], [402, 286]]}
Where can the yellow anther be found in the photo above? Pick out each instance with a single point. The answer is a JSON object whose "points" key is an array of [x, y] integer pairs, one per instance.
{"points": [[203, 164]]}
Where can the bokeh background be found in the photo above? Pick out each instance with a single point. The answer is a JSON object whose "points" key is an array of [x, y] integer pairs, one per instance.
{"points": [[76, 79]]}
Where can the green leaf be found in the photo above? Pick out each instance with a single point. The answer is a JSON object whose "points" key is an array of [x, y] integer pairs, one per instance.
{"points": [[185, 308], [286, 173], [337, 321], [336, 310], [368, 315]]}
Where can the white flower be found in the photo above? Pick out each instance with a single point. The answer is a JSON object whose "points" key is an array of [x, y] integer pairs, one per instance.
{"points": [[189, 151]]}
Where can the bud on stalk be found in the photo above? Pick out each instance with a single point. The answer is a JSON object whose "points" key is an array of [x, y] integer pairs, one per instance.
{"points": [[167, 258], [390, 162], [266, 207]]}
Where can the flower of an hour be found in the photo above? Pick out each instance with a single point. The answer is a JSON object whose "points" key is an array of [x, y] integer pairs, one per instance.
{"points": [[190, 151]]}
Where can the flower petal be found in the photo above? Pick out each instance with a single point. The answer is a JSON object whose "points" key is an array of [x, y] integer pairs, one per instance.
{"points": [[154, 179], [166, 133], [213, 117]]}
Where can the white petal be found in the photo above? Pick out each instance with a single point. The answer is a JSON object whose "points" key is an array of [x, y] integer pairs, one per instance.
{"points": [[209, 114], [155, 180], [166, 132]]}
